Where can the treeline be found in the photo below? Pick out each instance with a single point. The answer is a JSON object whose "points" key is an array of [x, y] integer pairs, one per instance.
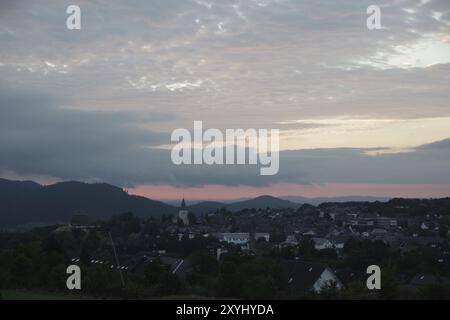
{"points": [[399, 206]]}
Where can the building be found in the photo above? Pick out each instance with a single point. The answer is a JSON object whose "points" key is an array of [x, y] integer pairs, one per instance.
{"points": [[183, 213], [242, 238], [291, 240], [374, 221], [306, 277], [238, 238], [174, 265], [379, 232], [322, 243], [386, 222], [365, 222]]}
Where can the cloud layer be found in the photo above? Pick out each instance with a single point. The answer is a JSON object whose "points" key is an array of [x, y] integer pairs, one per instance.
{"points": [[94, 104], [37, 137]]}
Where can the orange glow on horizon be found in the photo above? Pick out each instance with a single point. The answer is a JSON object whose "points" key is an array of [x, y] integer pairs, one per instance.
{"points": [[222, 192]]}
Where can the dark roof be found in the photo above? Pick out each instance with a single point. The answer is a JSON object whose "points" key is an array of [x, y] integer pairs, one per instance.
{"points": [[301, 274], [174, 265], [182, 267], [428, 279]]}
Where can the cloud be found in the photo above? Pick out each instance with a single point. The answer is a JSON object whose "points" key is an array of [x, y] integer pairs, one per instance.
{"points": [[139, 69], [364, 132], [41, 139], [442, 144]]}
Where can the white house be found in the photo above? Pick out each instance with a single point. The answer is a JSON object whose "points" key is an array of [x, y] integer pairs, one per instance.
{"points": [[239, 238], [322, 243], [291, 239]]}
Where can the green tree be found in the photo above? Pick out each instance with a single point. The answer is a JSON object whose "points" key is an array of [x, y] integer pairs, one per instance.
{"points": [[153, 272], [169, 284], [434, 292], [85, 257], [22, 271], [204, 263]]}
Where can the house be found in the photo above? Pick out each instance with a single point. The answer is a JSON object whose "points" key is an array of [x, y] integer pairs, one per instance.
{"points": [[322, 243], [379, 232], [238, 238], [180, 267], [309, 233], [386, 222], [242, 238], [340, 240], [291, 240], [366, 220], [306, 277]]}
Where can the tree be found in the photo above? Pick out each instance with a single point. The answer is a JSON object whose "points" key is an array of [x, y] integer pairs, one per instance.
{"points": [[153, 272], [169, 284], [85, 258], [51, 244], [230, 281], [124, 224], [204, 263], [356, 291], [434, 292], [389, 287], [22, 271]]}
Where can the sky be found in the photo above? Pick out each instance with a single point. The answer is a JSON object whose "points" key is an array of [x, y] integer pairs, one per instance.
{"points": [[360, 112]]}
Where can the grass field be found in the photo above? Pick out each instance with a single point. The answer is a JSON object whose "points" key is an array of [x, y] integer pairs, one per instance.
{"points": [[36, 295], [33, 295]]}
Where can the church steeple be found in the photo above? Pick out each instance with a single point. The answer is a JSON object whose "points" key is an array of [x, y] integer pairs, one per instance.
{"points": [[183, 213]]}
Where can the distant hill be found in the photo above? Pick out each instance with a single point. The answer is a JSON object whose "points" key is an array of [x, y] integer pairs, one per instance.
{"points": [[317, 201], [28, 202], [262, 202], [206, 206], [275, 202]]}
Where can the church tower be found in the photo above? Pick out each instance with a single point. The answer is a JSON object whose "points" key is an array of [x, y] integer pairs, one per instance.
{"points": [[183, 213]]}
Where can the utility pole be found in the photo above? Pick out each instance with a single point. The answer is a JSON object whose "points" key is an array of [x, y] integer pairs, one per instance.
{"points": [[117, 259]]}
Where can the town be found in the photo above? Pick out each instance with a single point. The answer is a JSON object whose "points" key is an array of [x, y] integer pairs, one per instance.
{"points": [[306, 252]]}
